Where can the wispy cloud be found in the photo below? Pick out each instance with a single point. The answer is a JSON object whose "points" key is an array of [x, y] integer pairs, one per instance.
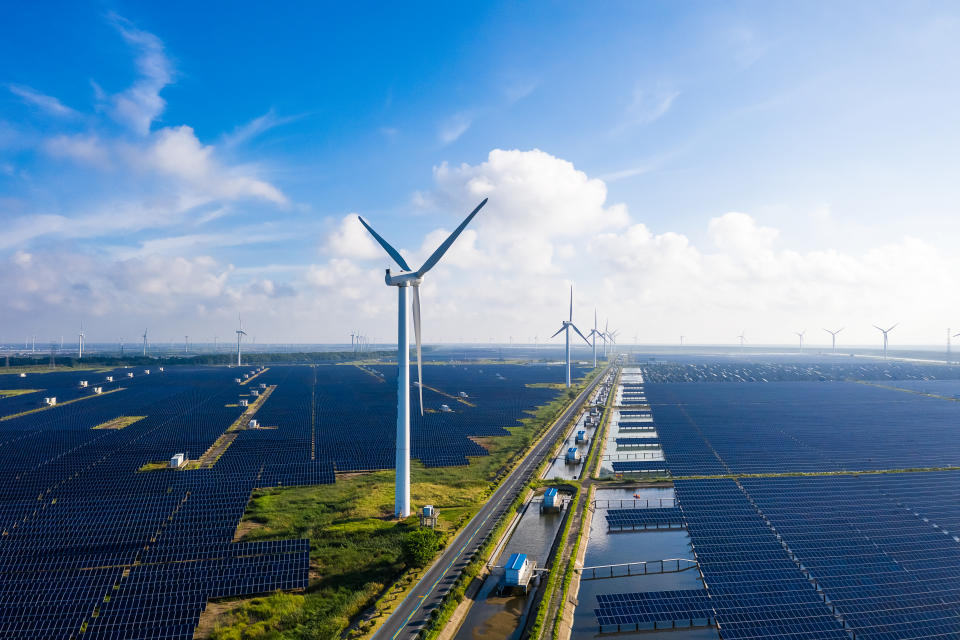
{"points": [[649, 106], [140, 104], [47, 104], [455, 126], [258, 126], [626, 173]]}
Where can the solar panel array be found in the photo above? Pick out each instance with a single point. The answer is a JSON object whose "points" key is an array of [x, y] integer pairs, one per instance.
{"points": [[643, 518], [873, 556], [709, 429], [653, 607], [88, 542], [755, 588]]}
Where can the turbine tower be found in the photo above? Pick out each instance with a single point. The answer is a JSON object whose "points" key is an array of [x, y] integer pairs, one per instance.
{"points": [[593, 334], [80, 342], [885, 332], [240, 334], [801, 334], [742, 339], [565, 328], [144, 342], [948, 343], [833, 338], [403, 281]]}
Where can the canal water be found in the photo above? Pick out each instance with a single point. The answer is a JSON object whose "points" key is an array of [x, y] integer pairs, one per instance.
{"points": [[495, 617], [604, 547], [563, 470], [612, 453]]}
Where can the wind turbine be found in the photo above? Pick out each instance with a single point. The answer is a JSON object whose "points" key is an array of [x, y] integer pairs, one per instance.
{"points": [[80, 342], [885, 332], [681, 340], [240, 334], [565, 328], [593, 334], [833, 337], [801, 333], [403, 281], [742, 339], [144, 342], [948, 343]]}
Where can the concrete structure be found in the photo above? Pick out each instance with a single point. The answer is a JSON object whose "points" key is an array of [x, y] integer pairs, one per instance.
{"points": [[178, 460]]}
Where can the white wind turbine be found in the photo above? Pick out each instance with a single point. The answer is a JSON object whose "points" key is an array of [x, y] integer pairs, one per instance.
{"points": [[405, 280], [144, 342], [742, 339], [240, 334], [833, 338], [593, 334], [885, 332], [80, 338], [801, 334], [948, 343], [565, 328]]}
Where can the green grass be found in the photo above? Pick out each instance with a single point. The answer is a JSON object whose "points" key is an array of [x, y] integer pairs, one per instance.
{"points": [[264, 618], [356, 548], [10, 393]]}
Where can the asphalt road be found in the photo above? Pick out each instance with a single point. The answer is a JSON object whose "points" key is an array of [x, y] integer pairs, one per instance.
{"points": [[414, 612]]}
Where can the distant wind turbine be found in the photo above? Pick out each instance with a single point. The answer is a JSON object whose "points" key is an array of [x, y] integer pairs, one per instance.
{"points": [[407, 279], [80, 338], [240, 334], [801, 334], [885, 332], [593, 334], [144, 342], [833, 338], [948, 343], [565, 328], [742, 339]]}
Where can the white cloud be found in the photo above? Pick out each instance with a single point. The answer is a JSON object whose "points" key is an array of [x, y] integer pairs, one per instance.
{"points": [[141, 104], [258, 126], [84, 148], [47, 104], [351, 240]]}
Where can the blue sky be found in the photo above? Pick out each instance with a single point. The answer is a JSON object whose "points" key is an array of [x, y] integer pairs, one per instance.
{"points": [[694, 167]]}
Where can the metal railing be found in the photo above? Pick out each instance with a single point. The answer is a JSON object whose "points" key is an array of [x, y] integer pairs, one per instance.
{"points": [[635, 503], [606, 571]]}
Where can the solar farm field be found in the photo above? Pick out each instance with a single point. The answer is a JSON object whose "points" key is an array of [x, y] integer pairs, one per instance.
{"points": [[814, 509], [95, 545]]}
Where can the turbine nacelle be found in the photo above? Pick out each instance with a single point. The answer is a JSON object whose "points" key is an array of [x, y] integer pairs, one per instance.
{"points": [[404, 279]]}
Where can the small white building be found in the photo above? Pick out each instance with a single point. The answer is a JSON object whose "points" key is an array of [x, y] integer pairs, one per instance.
{"points": [[146, 372], [237, 380], [263, 385], [254, 393], [23, 375], [518, 571], [160, 369], [178, 460], [130, 375], [109, 378], [83, 384], [50, 402], [581, 437], [445, 408], [98, 390], [573, 455], [244, 403], [252, 424], [463, 394]]}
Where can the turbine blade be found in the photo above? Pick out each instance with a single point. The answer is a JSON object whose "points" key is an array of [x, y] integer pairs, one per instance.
{"points": [[893, 327], [559, 331], [416, 333], [393, 253], [580, 334], [442, 249]]}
